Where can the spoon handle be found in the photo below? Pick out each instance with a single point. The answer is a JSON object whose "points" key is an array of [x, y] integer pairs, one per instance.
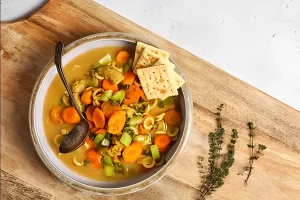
{"points": [[57, 60]]}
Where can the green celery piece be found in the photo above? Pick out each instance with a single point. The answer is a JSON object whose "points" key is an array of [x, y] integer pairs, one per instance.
{"points": [[126, 68], [106, 95], [108, 170], [105, 60], [107, 160], [154, 152], [169, 101], [135, 120], [118, 96], [126, 139], [98, 139]]}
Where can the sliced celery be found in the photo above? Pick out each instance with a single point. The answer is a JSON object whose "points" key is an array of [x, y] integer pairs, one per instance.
{"points": [[126, 68], [105, 60], [98, 139], [107, 160], [135, 120], [118, 96], [106, 95], [154, 152], [126, 139], [108, 170]]}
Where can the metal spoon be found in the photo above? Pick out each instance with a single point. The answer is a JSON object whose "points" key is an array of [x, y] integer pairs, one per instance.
{"points": [[76, 137]]}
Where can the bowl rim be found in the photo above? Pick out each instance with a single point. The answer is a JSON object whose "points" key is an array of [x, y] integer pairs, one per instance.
{"points": [[120, 190]]}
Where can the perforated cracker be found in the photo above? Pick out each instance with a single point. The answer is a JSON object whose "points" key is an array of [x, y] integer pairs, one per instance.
{"points": [[157, 82], [147, 59], [140, 46], [179, 81], [163, 61]]}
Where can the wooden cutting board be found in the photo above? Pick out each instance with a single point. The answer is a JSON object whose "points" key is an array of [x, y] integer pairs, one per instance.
{"points": [[28, 45]]}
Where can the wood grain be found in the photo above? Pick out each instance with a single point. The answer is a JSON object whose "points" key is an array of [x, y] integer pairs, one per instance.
{"points": [[27, 46]]}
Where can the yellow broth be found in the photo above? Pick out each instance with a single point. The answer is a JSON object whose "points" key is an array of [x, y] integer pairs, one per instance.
{"points": [[76, 69]]}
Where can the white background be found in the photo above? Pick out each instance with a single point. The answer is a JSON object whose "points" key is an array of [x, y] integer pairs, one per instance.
{"points": [[257, 41]]}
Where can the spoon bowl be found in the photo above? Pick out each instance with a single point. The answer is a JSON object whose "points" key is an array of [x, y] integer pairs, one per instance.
{"points": [[76, 137]]}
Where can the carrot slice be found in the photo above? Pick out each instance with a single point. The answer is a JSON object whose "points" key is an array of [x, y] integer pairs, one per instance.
{"points": [[91, 124], [93, 157], [142, 130], [162, 141], [122, 57], [101, 131], [56, 115], [128, 78], [89, 113], [94, 130], [107, 85], [98, 118], [132, 152], [163, 149], [116, 122], [86, 97], [109, 109], [90, 142], [133, 94], [70, 115], [172, 117]]}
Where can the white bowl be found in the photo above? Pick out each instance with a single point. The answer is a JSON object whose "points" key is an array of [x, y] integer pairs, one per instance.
{"points": [[56, 166]]}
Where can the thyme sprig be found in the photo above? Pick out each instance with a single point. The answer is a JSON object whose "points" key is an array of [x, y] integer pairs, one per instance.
{"points": [[217, 170], [254, 154]]}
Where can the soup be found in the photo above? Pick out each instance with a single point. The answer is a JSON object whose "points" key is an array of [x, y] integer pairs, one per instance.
{"points": [[129, 133]]}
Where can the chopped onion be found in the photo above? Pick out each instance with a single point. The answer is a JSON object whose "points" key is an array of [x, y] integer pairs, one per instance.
{"points": [[148, 162]]}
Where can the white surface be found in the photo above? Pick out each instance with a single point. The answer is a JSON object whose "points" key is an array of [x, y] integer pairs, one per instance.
{"points": [[12, 10], [256, 41]]}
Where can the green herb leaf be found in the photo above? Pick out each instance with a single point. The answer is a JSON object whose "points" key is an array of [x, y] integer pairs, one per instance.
{"points": [[254, 154], [60, 102], [85, 162], [217, 169], [161, 104]]}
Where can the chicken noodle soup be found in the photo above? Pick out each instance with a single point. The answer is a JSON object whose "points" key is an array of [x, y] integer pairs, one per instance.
{"points": [[129, 132]]}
